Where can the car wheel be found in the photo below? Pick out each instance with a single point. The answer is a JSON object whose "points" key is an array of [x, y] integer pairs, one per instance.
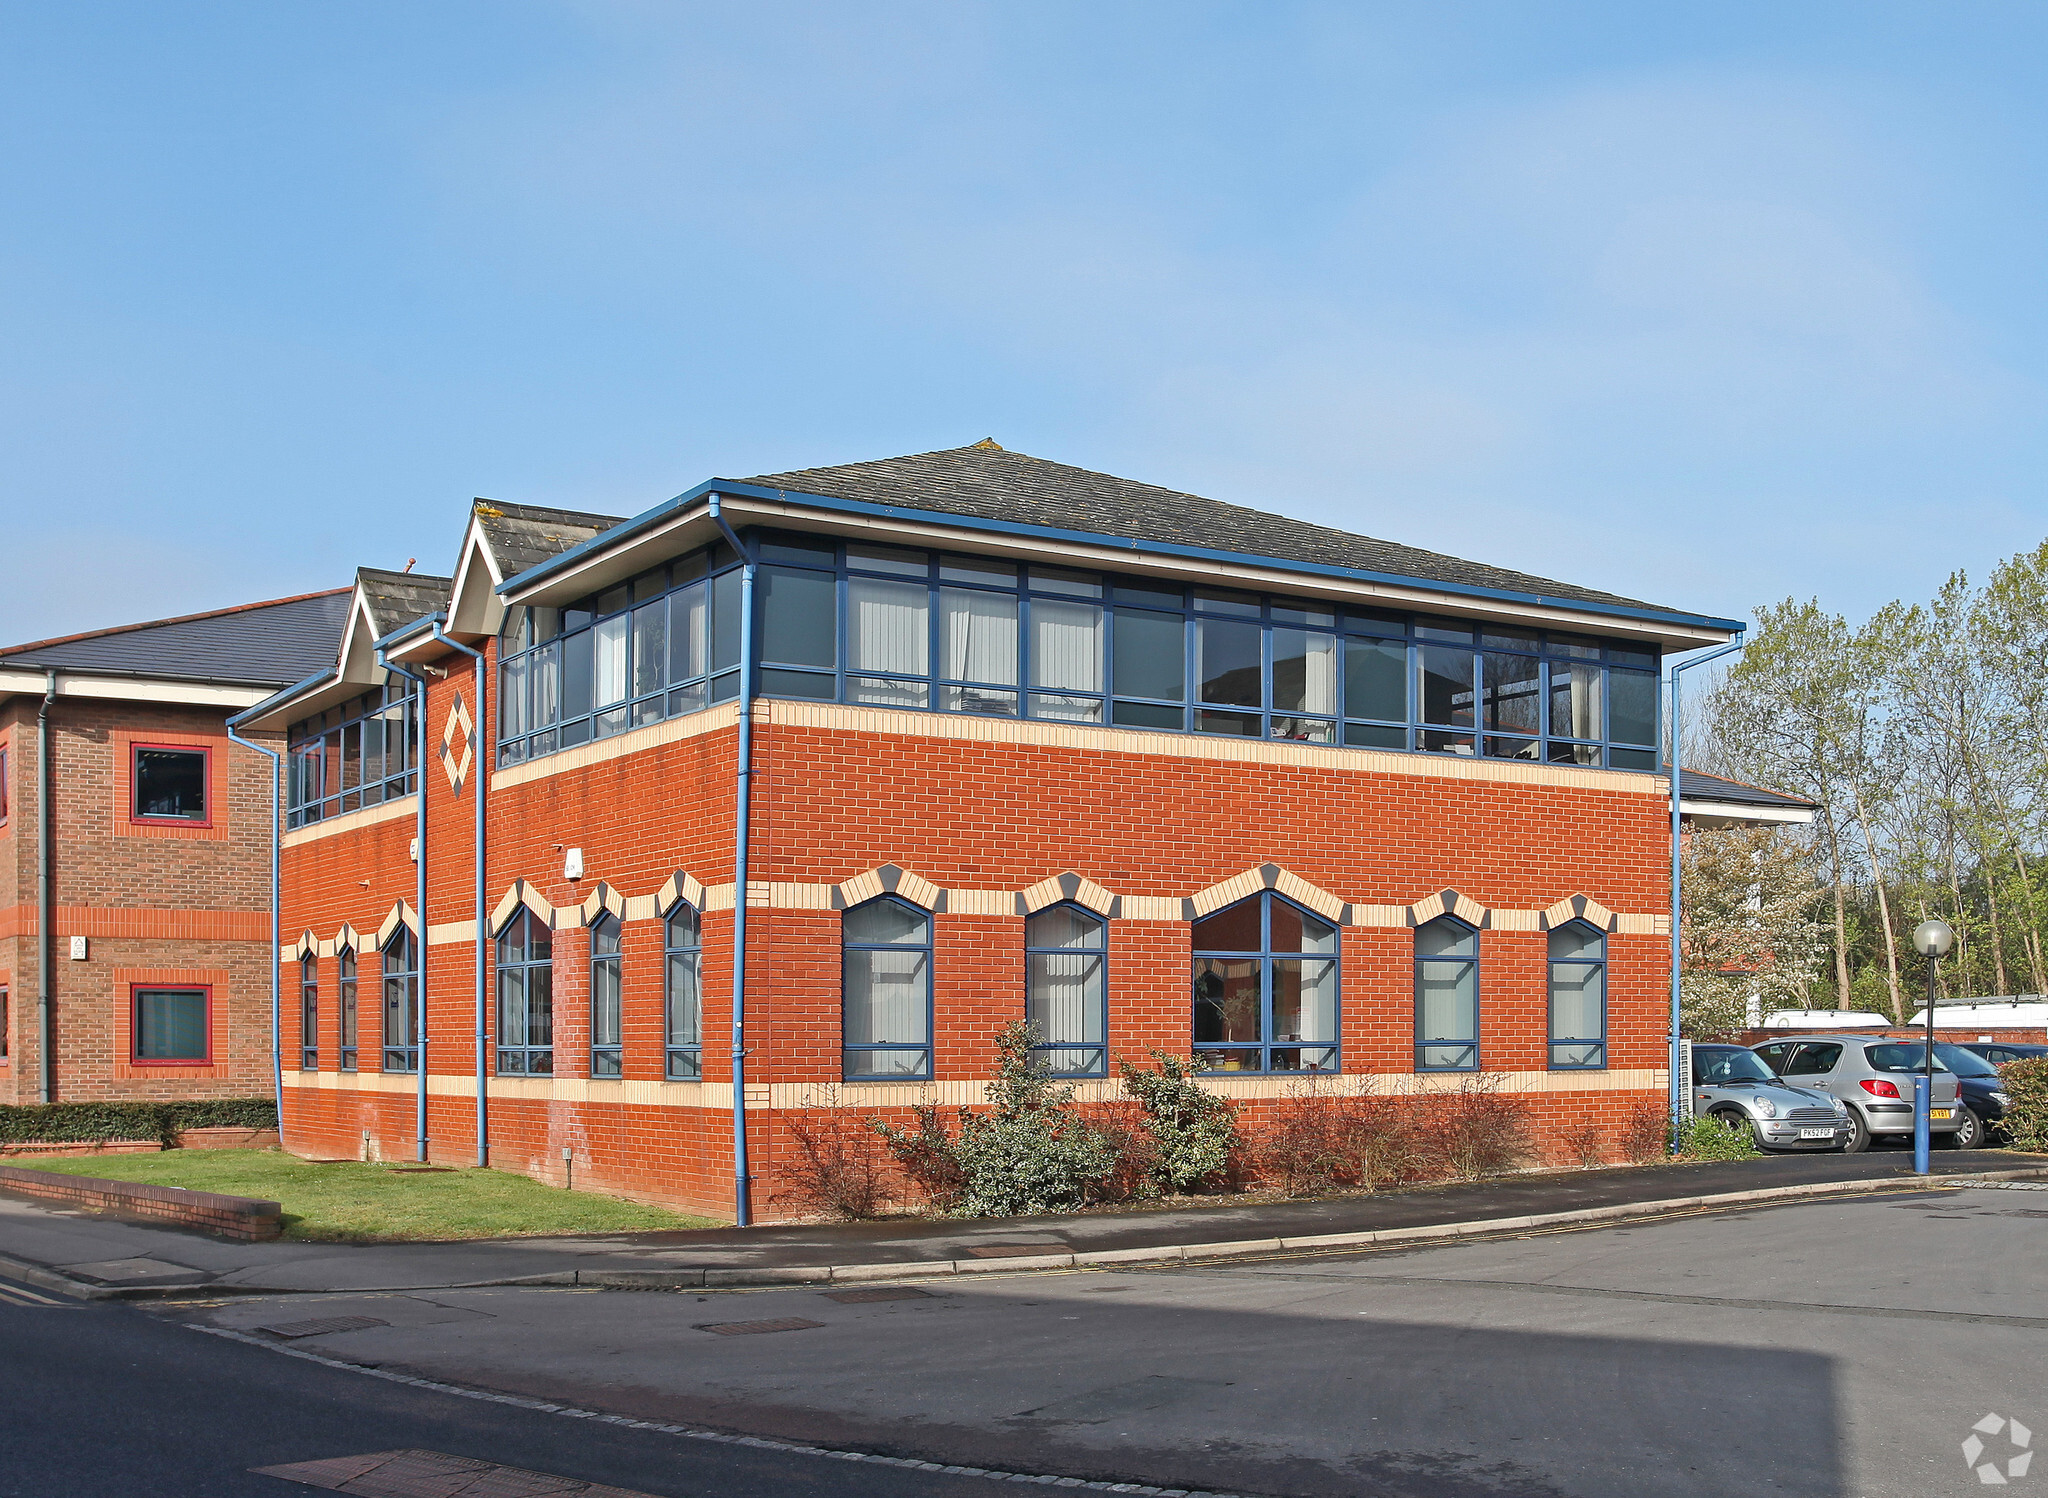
{"points": [[1735, 1118], [1969, 1137], [1859, 1134]]}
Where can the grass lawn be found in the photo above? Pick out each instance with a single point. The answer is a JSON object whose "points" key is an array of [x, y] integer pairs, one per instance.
{"points": [[350, 1202]]}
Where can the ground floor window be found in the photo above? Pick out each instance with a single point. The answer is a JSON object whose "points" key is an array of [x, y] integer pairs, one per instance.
{"points": [[402, 1001], [607, 983], [1446, 996], [683, 958], [886, 992], [345, 1005], [309, 1013], [1578, 998], [1066, 957], [526, 997], [171, 1024], [1265, 988]]}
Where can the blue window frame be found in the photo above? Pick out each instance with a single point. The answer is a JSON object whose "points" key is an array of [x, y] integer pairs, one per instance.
{"points": [[1266, 987], [948, 632], [363, 752], [345, 1006], [309, 1014], [1578, 998], [402, 1001], [1066, 989], [886, 992], [607, 983], [1446, 996], [526, 997], [683, 994]]}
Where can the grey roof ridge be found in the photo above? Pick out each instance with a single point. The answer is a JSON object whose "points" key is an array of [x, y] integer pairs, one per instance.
{"points": [[413, 577], [122, 629]]}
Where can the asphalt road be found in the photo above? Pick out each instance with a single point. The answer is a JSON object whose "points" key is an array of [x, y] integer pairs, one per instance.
{"points": [[1834, 1349], [107, 1401]]}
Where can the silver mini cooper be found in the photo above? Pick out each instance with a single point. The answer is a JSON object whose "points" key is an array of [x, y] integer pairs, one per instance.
{"points": [[1733, 1085]]}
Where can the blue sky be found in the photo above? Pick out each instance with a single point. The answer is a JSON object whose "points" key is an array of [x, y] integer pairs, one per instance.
{"points": [[1704, 303]]}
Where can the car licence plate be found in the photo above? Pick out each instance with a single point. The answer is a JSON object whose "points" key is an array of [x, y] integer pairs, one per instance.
{"points": [[1816, 1133], [1941, 1113]]}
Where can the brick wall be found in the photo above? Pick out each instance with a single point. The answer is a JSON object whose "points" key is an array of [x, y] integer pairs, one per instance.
{"points": [[838, 794], [157, 904]]}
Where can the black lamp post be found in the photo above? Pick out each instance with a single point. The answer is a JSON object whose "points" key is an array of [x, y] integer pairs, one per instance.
{"points": [[1931, 939]]}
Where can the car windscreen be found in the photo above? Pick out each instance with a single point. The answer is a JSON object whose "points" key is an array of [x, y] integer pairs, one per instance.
{"points": [[1731, 1065], [1963, 1063], [1899, 1057]]}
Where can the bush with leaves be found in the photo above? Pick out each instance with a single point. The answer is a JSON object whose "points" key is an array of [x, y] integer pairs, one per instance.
{"points": [[2025, 1084], [835, 1166], [1711, 1138], [1481, 1130], [1194, 1132], [1030, 1152]]}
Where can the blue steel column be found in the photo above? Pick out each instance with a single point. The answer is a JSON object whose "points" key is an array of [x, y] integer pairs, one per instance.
{"points": [[419, 775], [1676, 1096], [482, 773], [742, 1204]]}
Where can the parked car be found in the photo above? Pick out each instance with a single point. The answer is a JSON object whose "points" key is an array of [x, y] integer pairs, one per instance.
{"points": [[1998, 1052], [1875, 1079], [1733, 1085], [1983, 1093]]}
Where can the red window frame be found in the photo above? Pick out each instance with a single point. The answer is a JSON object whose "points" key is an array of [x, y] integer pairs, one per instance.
{"points": [[136, 818], [135, 991]]}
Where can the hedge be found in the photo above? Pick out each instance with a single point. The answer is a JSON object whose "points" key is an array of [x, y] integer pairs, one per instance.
{"points": [[2026, 1109], [82, 1123]]}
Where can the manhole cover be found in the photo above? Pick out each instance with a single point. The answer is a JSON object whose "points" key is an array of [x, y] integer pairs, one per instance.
{"points": [[322, 1326], [748, 1328], [1018, 1250], [863, 1297]]}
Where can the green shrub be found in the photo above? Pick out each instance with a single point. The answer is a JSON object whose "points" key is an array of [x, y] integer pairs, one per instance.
{"points": [[2025, 1084], [1193, 1131], [1711, 1139], [94, 1123], [1030, 1152]]}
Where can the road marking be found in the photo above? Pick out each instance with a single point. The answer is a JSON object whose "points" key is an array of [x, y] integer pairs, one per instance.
{"points": [[723, 1438], [15, 1295]]}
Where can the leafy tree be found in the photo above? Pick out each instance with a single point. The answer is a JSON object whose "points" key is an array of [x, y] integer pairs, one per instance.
{"points": [[1748, 940]]}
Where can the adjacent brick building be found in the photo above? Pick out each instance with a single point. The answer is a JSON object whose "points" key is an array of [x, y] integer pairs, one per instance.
{"points": [[157, 848], [1023, 741]]}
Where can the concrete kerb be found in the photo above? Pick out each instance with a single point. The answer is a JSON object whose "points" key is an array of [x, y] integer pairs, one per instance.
{"points": [[770, 1276]]}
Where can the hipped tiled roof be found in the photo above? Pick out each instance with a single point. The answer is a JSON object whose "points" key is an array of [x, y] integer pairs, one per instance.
{"points": [[991, 483], [270, 644]]}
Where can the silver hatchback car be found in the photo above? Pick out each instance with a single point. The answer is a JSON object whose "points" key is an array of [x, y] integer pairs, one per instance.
{"points": [[1874, 1077], [1733, 1085]]}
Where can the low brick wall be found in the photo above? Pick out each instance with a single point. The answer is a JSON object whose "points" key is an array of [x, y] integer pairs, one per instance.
{"points": [[227, 1139], [239, 1217], [85, 1147]]}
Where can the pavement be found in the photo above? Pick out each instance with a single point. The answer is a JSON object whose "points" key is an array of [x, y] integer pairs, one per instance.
{"points": [[99, 1256]]}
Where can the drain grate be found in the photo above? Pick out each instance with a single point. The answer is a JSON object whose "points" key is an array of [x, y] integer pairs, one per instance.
{"points": [[1018, 1250], [320, 1328], [864, 1297], [749, 1328]]}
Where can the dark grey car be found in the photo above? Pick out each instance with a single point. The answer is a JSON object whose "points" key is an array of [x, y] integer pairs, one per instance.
{"points": [[1873, 1075]]}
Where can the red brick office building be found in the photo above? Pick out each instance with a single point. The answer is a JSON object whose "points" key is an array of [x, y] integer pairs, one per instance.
{"points": [[144, 955], [1020, 740]]}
